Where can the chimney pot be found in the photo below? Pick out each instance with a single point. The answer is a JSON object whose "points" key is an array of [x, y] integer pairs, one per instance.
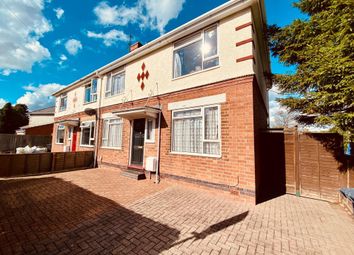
{"points": [[135, 46]]}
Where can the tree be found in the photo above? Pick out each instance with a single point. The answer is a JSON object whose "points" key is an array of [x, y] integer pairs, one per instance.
{"points": [[284, 119], [322, 49], [11, 118]]}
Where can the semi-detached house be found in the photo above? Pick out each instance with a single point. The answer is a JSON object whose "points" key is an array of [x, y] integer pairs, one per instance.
{"points": [[190, 104]]}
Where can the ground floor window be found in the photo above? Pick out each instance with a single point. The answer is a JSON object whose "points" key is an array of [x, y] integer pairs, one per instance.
{"points": [[197, 131], [60, 134], [87, 133], [112, 133], [150, 131]]}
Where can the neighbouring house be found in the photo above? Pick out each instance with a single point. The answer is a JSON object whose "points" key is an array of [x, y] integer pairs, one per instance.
{"points": [[40, 122], [189, 105]]}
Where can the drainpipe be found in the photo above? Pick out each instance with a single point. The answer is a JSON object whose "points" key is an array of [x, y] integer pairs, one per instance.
{"points": [[98, 117], [158, 149]]}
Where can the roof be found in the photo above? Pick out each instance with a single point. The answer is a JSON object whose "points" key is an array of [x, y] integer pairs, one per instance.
{"points": [[44, 111], [196, 24]]}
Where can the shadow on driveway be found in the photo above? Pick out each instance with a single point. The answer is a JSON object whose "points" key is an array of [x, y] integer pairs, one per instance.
{"points": [[49, 215]]}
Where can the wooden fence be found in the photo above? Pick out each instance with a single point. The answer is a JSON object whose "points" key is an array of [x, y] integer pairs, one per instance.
{"points": [[9, 142], [306, 164], [28, 164]]}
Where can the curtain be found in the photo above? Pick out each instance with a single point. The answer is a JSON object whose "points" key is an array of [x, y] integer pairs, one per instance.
{"points": [[211, 131], [187, 135], [177, 67]]}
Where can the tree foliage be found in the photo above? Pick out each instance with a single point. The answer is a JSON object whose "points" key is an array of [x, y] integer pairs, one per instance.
{"points": [[322, 49], [11, 118]]}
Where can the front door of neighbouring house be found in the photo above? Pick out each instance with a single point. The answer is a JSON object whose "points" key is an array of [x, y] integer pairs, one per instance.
{"points": [[137, 152], [74, 139]]}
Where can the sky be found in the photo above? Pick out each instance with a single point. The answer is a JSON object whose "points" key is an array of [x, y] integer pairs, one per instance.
{"points": [[47, 44]]}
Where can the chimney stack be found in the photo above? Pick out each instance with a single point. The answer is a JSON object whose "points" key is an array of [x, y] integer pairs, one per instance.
{"points": [[135, 46]]}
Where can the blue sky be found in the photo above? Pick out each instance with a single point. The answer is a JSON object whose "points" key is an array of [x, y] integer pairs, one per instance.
{"points": [[47, 44]]}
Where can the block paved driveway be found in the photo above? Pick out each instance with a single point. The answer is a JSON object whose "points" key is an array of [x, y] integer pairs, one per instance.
{"points": [[99, 212]]}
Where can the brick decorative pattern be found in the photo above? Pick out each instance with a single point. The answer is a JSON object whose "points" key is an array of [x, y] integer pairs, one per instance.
{"points": [[250, 40], [240, 27], [245, 58], [100, 212]]}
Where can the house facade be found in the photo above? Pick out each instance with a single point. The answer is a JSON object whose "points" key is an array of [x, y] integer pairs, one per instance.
{"points": [[40, 122], [188, 105]]}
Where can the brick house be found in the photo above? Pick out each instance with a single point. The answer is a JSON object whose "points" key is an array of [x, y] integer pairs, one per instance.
{"points": [[188, 105], [40, 122]]}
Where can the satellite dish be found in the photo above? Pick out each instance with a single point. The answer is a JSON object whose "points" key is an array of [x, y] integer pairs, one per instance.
{"points": [[90, 111]]}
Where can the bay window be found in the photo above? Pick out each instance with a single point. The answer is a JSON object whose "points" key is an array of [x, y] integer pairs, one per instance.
{"points": [[60, 134], [196, 53], [112, 133], [87, 133], [91, 92], [196, 131], [115, 84]]}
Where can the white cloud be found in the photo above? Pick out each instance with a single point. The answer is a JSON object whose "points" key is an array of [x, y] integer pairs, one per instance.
{"points": [[152, 14], [37, 97], [58, 12], [62, 58], [22, 25], [2, 102], [73, 46], [111, 37]]}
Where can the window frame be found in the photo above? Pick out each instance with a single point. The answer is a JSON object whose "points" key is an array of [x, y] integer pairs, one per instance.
{"points": [[106, 138], [61, 128], [152, 138], [92, 123], [61, 99], [110, 80], [93, 95], [193, 40], [202, 114]]}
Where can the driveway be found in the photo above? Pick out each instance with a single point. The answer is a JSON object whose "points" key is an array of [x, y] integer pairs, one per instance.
{"points": [[99, 212]]}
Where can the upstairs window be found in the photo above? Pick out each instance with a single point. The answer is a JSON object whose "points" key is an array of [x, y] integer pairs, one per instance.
{"points": [[60, 134], [91, 92], [87, 133], [115, 84], [196, 53], [63, 102]]}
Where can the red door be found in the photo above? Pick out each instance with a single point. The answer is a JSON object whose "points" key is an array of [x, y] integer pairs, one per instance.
{"points": [[74, 139]]}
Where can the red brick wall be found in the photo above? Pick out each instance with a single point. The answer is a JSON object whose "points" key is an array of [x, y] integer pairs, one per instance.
{"points": [[241, 116], [40, 130]]}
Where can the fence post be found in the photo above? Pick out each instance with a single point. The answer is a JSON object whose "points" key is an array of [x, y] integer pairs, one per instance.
{"points": [[296, 161], [53, 161]]}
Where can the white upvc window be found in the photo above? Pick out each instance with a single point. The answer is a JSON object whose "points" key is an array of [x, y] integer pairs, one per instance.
{"points": [[196, 53], [91, 92], [197, 131], [63, 103], [60, 134], [150, 130], [87, 133], [115, 84], [112, 133]]}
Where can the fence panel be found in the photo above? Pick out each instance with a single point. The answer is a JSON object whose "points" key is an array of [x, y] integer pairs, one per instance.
{"points": [[9, 142], [29, 164]]}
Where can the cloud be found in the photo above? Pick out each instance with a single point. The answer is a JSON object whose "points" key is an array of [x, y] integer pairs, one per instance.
{"points": [[37, 97], [58, 12], [73, 46], [22, 24], [2, 102], [111, 37], [62, 58], [152, 14]]}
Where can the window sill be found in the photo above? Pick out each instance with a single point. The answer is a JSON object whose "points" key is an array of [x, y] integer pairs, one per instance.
{"points": [[59, 143], [118, 94], [197, 72], [195, 154], [86, 103], [150, 141], [111, 148], [88, 146]]}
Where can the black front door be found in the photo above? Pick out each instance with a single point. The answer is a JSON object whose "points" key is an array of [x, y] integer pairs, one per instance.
{"points": [[138, 142]]}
